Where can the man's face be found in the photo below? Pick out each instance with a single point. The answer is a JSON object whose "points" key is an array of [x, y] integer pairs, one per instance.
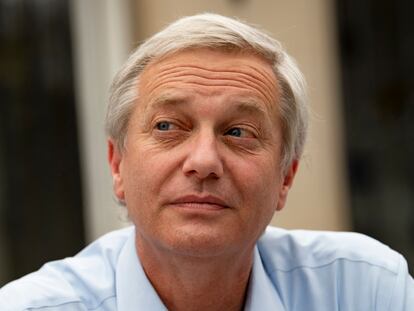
{"points": [[200, 173]]}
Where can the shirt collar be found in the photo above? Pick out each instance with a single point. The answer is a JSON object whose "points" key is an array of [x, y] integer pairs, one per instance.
{"points": [[262, 294], [133, 289]]}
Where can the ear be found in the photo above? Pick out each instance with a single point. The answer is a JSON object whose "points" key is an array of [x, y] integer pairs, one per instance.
{"points": [[115, 161], [287, 184]]}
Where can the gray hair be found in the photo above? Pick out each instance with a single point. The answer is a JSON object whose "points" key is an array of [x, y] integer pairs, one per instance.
{"points": [[218, 32]]}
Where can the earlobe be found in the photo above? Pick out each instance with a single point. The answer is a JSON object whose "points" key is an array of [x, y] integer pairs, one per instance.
{"points": [[287, 184], [115, 161]]}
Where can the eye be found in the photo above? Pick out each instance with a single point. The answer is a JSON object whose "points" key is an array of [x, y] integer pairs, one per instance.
{"points": [[163, 126], [235, 131], [240, 132]]}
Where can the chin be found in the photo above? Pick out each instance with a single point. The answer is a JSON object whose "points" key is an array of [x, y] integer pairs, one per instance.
{"points": [[200, 243]]}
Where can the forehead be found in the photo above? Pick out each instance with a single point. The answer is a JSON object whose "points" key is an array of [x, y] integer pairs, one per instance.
{"points": [[210, 73]]}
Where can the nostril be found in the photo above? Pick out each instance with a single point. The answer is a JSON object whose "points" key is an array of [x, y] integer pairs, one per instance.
{"points": [[203, 158], [203, 167], [204, 172]]}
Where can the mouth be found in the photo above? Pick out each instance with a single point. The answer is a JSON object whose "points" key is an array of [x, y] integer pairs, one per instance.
{"points": [[200, 203]]}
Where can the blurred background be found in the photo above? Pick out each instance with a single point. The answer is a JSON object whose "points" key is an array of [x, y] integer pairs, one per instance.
{"points": [[57, 58]]}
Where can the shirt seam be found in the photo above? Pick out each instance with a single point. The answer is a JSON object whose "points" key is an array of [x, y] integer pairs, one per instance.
{"points": [[102, 302], [400, 262], [275, 269], [53, 305], [69, 302]]}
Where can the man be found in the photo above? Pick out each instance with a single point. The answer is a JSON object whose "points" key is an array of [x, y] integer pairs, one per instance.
{"points": [[206, 125]]}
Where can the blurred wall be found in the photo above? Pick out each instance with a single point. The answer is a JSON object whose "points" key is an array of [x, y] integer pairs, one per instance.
{"points": [[102, 38], [319, 198], [4, 264]]}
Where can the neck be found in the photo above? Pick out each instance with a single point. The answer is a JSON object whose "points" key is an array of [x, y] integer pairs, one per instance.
{"points": [[186, 282]]}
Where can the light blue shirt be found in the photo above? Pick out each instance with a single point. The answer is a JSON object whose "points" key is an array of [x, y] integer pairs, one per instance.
{"points": [[292, 270]]}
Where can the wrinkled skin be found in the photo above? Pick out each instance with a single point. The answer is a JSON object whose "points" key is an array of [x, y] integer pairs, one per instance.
{"points": [[200, 173]]}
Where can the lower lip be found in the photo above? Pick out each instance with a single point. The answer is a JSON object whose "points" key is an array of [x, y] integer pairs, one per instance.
{"points": [[195, 206]]}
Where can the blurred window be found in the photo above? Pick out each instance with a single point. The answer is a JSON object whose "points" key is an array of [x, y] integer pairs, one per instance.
{"points": [[377, 47], [40, 199]]}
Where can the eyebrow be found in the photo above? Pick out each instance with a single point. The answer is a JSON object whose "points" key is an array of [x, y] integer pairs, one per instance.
{"points": [[244, 105], [252, 107], [162, 101], [165, 100]]}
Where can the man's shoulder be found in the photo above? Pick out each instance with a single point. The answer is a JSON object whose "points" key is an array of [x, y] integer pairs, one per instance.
{"points": [[82, 282], [339, 268], [292, 249]]}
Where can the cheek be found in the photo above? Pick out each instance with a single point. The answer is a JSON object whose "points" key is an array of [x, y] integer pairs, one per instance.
{"points": [[145, 174], [139, 191], [135, 176], [258, 180]]}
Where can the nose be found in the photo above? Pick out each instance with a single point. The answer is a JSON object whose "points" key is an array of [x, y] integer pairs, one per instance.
{"points": [[203, 159]]}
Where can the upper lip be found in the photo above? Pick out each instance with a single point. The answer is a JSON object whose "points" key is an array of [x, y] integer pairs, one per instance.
{"points": [[206, 199]]}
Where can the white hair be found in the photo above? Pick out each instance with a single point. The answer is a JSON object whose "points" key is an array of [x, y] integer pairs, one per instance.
{"points": [[217, 32]]}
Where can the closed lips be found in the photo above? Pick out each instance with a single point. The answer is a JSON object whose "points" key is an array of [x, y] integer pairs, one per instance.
{"points": [[198, 201]]}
